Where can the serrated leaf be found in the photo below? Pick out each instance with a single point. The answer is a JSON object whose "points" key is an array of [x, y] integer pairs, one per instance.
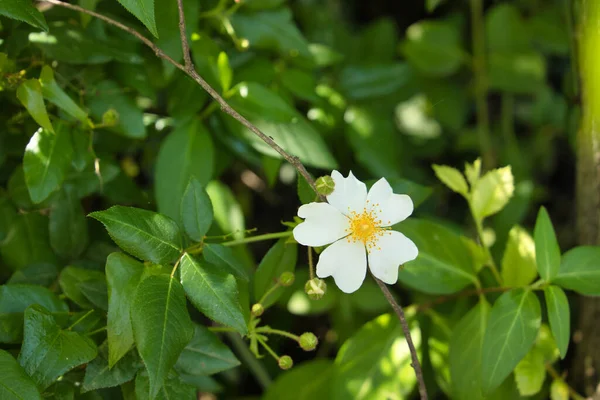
{"points": [[23, 10], [142, 10], [559, 315], [466, 347], [48, 351], [205, 354], [14, 382], [187, 152], [580, 270], [547, 250], [174, 387], [518, 261], [98, 373], [279, 259], [29, 94], [123, 275], [445, 263], [46, 162], [54, 93], [196, 210], [14, 300], [512, 328], [212, 291], [222, 256], [492, 192], [68, 225], [452, 178], [161, 326], [87, 288], [374, 362], [144, 234]]}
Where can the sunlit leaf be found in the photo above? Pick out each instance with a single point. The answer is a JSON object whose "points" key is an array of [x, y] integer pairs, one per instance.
{"points": [[518, 262], [23, 10], [144, 11], [29, 94]]}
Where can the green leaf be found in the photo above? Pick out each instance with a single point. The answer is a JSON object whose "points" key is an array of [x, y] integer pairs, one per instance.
{"points": [[187, 152], [559, 316], [466, 347], [272, 30], [372, 81], [196, 210], [14, 299], [222, 256], [174, 388], [279, 259], [505, 30], [29, 94], [109, 95], [87, 288], [42, 274], [288, 128], [213, 292], [374, 362], [23, 10], [492, 192], [559, 390], [123, 275], [205, 354], [444, 264], [48, 351], [53, 93], [14, 382], [300, 83], [530, 373], [225, 72], [307, 381], [431, 5], [580, 270], [142, 10], [161, 326], [46, 162], [452, 178], [517, 73], [68, 225], [98, 373], [186, 97], [518, 262], [433, 47], [8, 214], [28, 242], [512, 328], [305, 193], [547, 251], [144, 234], [227, 210]]}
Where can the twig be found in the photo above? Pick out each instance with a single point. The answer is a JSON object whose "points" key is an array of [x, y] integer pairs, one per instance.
{"points": [[413, 351]]}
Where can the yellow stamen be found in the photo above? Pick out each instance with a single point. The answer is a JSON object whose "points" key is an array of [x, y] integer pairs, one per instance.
{"points": [[366, 228]]}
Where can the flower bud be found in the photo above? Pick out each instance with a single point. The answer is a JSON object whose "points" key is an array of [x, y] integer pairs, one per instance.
{"points": [[285, 362], [315, 288], [257, 310], [110, 117], [286, 279], [308, 341], [325, 185]]}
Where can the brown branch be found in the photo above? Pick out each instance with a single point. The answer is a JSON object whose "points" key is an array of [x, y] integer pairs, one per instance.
{"points": [[184, 42], [413, 351]]}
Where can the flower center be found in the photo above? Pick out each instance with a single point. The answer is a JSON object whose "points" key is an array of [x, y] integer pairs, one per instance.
{"points": [[365, 227]]}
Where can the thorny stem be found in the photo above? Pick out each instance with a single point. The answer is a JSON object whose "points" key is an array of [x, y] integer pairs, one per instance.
{"points": [[413, 351], [188, 69]]}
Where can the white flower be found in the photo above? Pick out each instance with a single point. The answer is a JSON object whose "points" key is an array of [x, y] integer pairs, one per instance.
{"points": [[358, 226]]}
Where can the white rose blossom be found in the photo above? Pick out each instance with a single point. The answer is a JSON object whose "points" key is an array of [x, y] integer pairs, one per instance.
{"points": [[357, 225]]}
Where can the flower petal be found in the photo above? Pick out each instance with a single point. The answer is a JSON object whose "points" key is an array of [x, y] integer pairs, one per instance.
{"points": [[349, 193], [347, 262], [323, 224], [390, 208], [392, 250]]}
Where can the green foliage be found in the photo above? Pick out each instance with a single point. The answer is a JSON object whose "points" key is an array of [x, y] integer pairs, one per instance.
{"points": [[14, 382], [279, 259]]}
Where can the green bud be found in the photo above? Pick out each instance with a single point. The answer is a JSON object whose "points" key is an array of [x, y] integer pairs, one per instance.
{"points": [[286, 279], [308, 341], [285, 362], [315, 288], [257, 310], [325, 185], [110, 117]]}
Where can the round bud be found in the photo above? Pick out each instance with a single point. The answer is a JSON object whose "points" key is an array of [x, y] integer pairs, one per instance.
{"points": [[325, 185], [315, 288], [257, 310], [286, 279], [285, 362], [110, 117], [308, 341]]}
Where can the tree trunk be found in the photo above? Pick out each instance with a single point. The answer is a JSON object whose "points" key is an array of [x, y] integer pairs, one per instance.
{"points": [[586, 365]]}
